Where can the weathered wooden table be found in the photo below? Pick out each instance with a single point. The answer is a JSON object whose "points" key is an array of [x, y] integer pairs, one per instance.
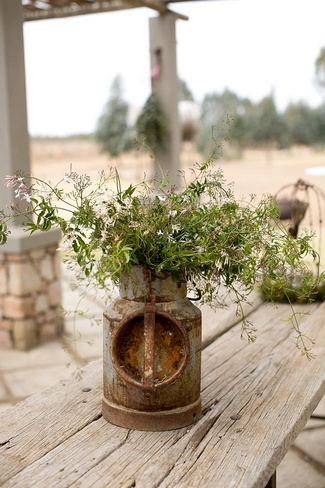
{"points": [[256, 399]]}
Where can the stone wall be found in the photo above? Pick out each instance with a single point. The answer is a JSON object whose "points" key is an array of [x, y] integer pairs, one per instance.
{"points": [[30, 298]]}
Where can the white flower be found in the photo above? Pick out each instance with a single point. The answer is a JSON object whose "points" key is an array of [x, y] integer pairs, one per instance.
{"points": [[21, 191], [172, 213], [134, 225], [226, 257], [47, 194], [159, 232], [11, 181], [66, 179], [67, 243], [27, 198], [176, 227], [162, 198], [100, 210]]}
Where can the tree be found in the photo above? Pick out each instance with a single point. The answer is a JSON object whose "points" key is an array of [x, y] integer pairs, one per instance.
{"points": [[112, 130], [152, 124], [185, 92], [320, 117], [320, 68], [302, 123], [215, 108], [267, 126]]}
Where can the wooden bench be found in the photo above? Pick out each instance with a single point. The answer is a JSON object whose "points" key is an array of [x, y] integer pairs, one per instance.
{"points": [[256, 399]]}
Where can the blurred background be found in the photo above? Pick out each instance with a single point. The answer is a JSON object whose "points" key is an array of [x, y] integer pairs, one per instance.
{"points": [[88, 79]]}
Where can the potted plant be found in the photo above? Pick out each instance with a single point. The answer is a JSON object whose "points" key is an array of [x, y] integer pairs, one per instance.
{"points": [[159, 243], [293, 210]]}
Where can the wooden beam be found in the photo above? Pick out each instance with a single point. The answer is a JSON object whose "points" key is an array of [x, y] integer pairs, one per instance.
{"points": [[97, 7], [57, 13], [157, 5]]}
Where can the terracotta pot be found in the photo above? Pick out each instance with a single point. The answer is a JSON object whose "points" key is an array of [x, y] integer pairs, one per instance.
{"points": [[152, 354]]}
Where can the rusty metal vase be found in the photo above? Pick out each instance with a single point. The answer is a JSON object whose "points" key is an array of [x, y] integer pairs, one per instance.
{"points": [[152, 354]]}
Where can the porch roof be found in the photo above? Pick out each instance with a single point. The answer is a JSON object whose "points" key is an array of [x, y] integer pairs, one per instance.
{"points": [[50, 9]]}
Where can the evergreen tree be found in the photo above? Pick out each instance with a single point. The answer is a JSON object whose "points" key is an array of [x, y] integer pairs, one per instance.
{"points": [[185, 92], [302, 123], [112, 132], [320, 117], [152, 125], [215, 108], [320, 68], [266, 125]]}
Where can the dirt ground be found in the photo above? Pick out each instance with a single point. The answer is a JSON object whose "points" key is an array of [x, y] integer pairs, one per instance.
{"points": [[257, 171]]}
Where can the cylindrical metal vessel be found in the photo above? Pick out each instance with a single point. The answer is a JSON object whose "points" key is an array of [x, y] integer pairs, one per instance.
{"points": [[152, 354]]}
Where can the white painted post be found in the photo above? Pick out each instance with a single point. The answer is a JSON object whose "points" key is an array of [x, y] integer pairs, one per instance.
{"points": [[166, 87], [14, 141], [30, 294]]}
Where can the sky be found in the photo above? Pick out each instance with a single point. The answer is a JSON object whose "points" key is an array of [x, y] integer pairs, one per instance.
{"points": [[252, 47]]}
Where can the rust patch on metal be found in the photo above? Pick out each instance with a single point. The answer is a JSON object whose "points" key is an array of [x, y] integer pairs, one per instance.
{"points": [[152, 421], [150, 354], [151, 374], [149, 346]]}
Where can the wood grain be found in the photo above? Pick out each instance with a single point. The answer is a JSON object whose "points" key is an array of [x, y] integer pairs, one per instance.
{"points": [[34, 427], [256, 399], [216, 323]]}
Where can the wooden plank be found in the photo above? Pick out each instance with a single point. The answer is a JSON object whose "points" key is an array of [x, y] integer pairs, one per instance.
{"points": [[52, 421], [34, 427], [256, 398], [216, 323]]}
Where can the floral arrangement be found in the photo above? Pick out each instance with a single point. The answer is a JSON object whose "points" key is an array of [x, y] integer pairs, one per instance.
{"points": [[221, 246], [294, 210]]}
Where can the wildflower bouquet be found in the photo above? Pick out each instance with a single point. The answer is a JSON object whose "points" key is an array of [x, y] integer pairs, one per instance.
{"points": [[221, 246]]}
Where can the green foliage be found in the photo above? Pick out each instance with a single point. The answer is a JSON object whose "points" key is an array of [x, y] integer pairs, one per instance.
{"points": [[185, 92], [320, 118], [264, 126], [112, 132], [265, 129], [320, 68], [302, 123], [152, 125], [215, 108], [261, 125], [222, 247], [299, 289]]}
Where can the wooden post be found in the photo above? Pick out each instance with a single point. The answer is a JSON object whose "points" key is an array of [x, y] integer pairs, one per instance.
{"points": [[165, 84]]}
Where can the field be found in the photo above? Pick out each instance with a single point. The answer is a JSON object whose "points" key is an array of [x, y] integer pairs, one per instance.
{"points": [[257, 171]]}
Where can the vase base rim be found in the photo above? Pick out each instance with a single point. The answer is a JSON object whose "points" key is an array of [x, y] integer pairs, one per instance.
{"points": [[129, 418]]}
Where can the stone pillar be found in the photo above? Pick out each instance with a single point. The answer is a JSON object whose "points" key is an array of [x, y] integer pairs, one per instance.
{"points": [[165, 84], [30, 294]]}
